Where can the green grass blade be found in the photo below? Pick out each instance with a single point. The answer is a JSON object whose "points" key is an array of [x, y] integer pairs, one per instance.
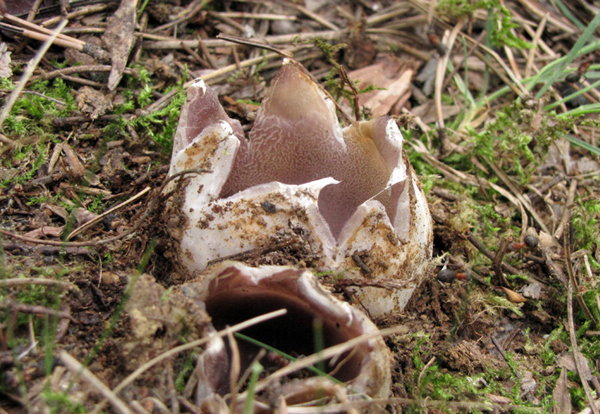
{"points": [[572, 96], [256, 370], [567, 13], [582, 144], [283, 354], [587, 33], [582, 110]]}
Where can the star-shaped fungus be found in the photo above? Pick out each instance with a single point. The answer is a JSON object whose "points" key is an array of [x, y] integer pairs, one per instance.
{"points": [[346, 198]]}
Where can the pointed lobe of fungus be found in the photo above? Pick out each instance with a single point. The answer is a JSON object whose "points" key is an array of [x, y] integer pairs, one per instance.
{"points": [[300, 190], [297, 139]]}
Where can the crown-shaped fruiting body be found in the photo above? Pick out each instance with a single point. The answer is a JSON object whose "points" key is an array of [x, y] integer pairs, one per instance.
{"points": [[348, 194]]}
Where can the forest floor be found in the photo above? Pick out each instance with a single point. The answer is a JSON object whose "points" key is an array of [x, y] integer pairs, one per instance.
{"points": [[498, 103]]}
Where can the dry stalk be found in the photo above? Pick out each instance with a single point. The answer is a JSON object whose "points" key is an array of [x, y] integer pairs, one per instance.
{"points": [[234, 372], [536, 42], [441, 71], [274, 40], [576, 355]]}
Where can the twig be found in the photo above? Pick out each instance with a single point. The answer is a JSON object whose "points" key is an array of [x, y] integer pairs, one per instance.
{"points": [[82, 69], [188, 405], [511, 61], [138, 408], [464, 59], [12, 282], [571, 274], [247, 42], [209, 57], [488, 253], [82, 81], [497, 262], [186, 15], [425, 368], [258, 16], [196, 56], [40, 36], [35, 309], [46, 250], [171, 387], [6, 140], [566, 216], [499, 348], [79, 370], [517, 193], [34, 27], [28, 72], [81, 12], [396, 10], [234, 372], [34, 10], [274, 40], [538, 10]]}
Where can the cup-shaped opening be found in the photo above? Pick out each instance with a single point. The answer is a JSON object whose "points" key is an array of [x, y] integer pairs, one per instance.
{"points": [[313, 318]]}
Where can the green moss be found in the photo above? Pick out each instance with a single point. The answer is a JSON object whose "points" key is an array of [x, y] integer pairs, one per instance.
{"points": [[500, 20]]}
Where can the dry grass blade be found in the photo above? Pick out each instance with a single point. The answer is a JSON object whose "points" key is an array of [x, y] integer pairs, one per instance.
{"points": [[76, 368], [441, 71], [99, 218], [536, 41], [240, 326]]}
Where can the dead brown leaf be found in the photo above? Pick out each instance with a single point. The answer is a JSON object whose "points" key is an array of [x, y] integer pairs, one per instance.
{"points": [[561, 395], [389, 73], [44, 231], [513, 296], [119, 39], [92, 102], [5, 70], [71, 163]]}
